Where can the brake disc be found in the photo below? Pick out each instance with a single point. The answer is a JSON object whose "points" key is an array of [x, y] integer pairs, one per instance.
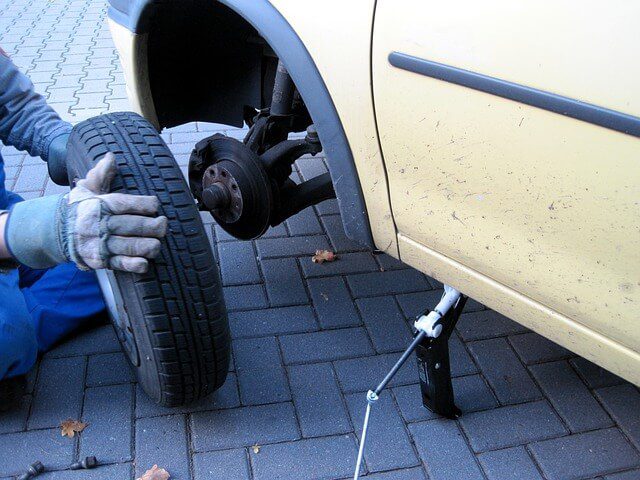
{"points": [[228, 180]]}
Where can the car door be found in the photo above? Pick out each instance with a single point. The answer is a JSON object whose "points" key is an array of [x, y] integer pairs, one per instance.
{"points": [[509, 132]]}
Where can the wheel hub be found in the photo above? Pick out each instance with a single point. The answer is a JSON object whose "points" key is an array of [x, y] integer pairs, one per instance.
{"points": [[228, 179]]}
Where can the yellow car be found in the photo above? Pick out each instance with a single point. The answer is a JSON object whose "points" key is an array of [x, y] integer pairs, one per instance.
{"points": [[492, 145]]}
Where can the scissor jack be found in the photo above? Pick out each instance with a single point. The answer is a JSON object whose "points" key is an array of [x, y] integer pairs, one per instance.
{"points": [[431, 344]]}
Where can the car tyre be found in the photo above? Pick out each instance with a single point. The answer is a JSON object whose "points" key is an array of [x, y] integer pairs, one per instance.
{"points": [[171, 321]]}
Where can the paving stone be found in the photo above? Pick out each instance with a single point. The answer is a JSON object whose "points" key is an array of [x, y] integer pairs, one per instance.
{"points": [[15, 419], [260, 373], [304, 223], [470, 392], [387, 262], [512, 463], [97, 340], [362, 374], [108, 412], [227, 465], [325, 345], [284, 282], [243, 427], [337, 237], [585, 455], [105, 472], [328, 207], [32, 177], [404, 474], [444, 451], [225, 397], [486, 324], [291, 246], [533, 348], [593, 375], [384, 283], [511, 425], [504, 372], [385, 323], [238, 264], [347, 263], [317, 400], [623, 403], [333, 303], [388, 444], [310, 167], [628, 475], [108, 369], [17, 450], [244, 297], [58, 393], [327, 457], [163, 441], [272, 321], [570, 397], [461, 363]]}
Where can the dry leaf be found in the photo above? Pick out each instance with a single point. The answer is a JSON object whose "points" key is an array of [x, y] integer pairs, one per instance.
{"points": [[256, 448], [69, 428], [155, 473], [323, 256]]}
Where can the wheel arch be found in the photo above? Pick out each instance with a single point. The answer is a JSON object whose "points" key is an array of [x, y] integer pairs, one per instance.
{"points": [[237, 81]]}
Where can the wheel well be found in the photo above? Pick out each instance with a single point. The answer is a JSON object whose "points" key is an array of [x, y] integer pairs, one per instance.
{"points": [[206, 63]]}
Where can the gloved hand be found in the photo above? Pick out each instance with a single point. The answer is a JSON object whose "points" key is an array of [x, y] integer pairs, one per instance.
{"points": [[88, 226], [57, 160]]}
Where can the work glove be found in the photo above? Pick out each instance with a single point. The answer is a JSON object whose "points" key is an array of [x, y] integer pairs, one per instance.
{"points": [[88, 226], [57, 160]]}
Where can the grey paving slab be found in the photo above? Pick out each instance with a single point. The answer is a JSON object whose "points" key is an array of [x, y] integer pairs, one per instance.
{"points": [[304, 223], [511, 425], [385, 323], [382, 283], [593, 375], [108, 369], [333, 303], [291, 246], [15, 420], [226, 464], [58, 392], [346, 263], [585, 455], [504, 372], [226, 396], [163, 441], [512, 463], [260, 373], [244, 427], [339, 240], [388, 443], [17, 450], [486, 324], [533, 348], [570, 397], [238, 264], [317, 399], [326, 345], [283, 282], [451, 459], [404, 474], [272, 321], [98, 340], [362, 374], [108, 412], [245, 297], [104, 472], [327, 457], [623, 403]]}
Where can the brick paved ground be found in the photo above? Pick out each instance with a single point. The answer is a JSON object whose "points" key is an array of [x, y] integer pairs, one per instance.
{"points": [[309, 340]]}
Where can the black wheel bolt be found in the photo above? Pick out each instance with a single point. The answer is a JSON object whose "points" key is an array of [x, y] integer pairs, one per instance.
{"points": [[36, 468], [87, 463]]}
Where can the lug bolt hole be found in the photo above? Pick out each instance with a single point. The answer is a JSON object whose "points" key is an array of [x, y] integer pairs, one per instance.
{"points": [[234, 186], [223, 173]]}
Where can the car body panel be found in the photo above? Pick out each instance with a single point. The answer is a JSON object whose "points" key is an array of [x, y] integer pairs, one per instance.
{"points": [[542, 207]]}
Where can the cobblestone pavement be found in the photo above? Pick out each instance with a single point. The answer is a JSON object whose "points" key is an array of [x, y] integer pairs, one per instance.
{"points": [[309, 340]]}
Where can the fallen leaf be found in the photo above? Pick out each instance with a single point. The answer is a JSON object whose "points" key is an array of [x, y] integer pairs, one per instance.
{"points": [[69, 428], [323, 256], [256, 448], [155, 473]]}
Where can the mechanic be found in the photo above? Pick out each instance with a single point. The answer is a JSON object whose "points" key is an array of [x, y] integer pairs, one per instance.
{"points": [[50, 246]]}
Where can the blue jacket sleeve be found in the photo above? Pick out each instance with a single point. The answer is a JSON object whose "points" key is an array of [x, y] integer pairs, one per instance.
{"points": [[26, 121]]}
